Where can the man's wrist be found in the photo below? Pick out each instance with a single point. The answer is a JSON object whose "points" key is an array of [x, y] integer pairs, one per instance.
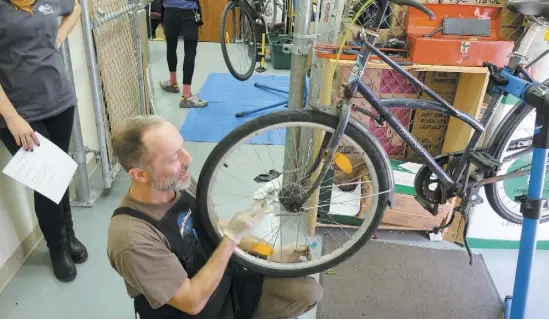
{"points": [[230, 241]]}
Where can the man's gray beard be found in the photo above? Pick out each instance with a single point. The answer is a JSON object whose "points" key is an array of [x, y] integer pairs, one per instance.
{"points": [[173, 184]]}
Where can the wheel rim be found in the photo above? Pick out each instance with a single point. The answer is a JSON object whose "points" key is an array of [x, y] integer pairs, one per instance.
{"points": [[213, 201], [239, 42], [507, 190]]}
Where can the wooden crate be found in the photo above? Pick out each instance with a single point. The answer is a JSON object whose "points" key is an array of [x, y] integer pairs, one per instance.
{"points": [[469, 96]]}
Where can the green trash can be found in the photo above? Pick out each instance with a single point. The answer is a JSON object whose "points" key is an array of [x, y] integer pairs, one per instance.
{"points": [[280, 59]]}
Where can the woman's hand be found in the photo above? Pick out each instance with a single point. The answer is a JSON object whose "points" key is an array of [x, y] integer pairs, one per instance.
{"points": [[22, 132]]}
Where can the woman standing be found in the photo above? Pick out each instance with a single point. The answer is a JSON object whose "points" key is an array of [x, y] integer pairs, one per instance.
{"points": [[36, 96], [182, 18]]}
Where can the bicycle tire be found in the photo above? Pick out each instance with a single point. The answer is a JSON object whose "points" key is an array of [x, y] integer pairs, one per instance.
{"points": [[245, 10], [366, 141], [498, 144]]}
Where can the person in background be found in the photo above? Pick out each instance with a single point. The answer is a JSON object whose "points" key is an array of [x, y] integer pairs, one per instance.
{"points": [[182, 18], [154, 19], [153, 244], [36, 96]]}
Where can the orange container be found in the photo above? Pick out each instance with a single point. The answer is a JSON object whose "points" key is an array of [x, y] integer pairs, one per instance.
{"points": [[450, 50]]}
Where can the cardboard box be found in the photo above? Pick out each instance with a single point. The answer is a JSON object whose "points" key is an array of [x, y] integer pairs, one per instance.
{"points": [[429, 127], [407, 212], [442, 82], [454, 233]]}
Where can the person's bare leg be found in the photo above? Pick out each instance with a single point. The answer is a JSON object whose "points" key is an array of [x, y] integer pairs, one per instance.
{"points": [[187, 99], [187, 91], [173, 78]]}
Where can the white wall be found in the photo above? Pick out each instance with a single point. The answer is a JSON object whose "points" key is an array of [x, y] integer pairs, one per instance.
{"points": [[83, 88], [17, 219]]}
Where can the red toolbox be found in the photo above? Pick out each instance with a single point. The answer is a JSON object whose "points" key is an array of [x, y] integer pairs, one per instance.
{"points": [[456, 50]]}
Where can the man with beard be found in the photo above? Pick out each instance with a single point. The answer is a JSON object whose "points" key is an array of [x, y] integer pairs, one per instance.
{"points": [[153, 245]]}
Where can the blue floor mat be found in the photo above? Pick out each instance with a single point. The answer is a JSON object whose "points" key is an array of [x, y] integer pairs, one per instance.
{"points": [[227, 96]]}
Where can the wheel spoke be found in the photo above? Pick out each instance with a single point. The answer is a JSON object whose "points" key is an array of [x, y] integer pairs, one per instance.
{"points": [[282, 227]]}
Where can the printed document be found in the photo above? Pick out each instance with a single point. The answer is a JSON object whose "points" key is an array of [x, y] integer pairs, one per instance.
{"points": [[47, 170]]}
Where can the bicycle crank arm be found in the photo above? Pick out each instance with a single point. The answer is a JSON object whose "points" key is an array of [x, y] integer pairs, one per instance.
{"points": [[511, 175]]}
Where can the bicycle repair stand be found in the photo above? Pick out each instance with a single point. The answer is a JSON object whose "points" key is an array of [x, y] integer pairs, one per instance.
{"points": [[282, 103], [536, 95]]}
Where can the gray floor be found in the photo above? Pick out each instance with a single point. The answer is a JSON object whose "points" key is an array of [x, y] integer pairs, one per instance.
{"points": [[98, 292]]}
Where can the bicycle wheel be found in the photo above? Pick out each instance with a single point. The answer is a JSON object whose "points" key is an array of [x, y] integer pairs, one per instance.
{"points": [[238, 39], [514, 137], [256, 145]]}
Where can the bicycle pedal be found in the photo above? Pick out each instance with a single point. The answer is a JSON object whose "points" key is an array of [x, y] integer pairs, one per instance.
{"points": [[476, 176], [432, 208], [485, 161]]}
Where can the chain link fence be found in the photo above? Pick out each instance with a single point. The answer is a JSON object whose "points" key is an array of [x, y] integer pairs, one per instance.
{"points": [[112, 32], [329, 76]]}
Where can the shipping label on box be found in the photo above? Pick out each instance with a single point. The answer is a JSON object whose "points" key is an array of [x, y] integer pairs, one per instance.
{"points": [[442, 82], [429, 128]]}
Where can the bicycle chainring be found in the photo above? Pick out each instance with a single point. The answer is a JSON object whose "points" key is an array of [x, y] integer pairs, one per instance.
{"points": [[427, 184]]}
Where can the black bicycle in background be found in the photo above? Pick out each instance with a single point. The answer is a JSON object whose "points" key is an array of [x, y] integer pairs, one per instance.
{"points": [[242, 26]]}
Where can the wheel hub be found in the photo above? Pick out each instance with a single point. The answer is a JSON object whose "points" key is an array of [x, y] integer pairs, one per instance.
{"points": [[290, 196]]}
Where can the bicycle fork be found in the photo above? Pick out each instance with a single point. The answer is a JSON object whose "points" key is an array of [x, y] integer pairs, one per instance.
{"points": [[326, 155]]}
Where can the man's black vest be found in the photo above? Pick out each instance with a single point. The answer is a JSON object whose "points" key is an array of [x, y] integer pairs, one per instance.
{"points": [[238, 292]]}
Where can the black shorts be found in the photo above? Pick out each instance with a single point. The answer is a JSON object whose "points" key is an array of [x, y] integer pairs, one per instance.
{"points": [[180, 23]]}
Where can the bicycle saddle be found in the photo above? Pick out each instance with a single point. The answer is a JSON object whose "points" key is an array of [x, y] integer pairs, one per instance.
{"points": [[537, 8]]}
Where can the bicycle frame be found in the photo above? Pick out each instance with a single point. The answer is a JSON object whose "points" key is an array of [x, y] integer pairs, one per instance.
{"points": [[384, 106]]}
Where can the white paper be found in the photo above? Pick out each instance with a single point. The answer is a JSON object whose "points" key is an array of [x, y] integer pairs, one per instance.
{"points": [[404, 178], [411, 166], [47, 170], [346, 203]]}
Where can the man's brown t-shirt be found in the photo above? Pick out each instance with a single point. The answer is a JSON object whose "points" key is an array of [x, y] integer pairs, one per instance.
{"points": [[141, 254]]}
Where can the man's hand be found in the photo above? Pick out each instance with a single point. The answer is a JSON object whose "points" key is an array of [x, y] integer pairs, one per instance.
{"points": [[270, 188], [289, 253], [241, 224]]}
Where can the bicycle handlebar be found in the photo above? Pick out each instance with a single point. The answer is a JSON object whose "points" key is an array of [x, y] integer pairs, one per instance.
{"points": [[417, 5]]}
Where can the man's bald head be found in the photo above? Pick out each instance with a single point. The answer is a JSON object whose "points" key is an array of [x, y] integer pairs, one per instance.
{"points": [[127, 141]]}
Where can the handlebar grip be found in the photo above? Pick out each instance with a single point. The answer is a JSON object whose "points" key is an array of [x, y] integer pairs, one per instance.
{"points": [[417, 5]]}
